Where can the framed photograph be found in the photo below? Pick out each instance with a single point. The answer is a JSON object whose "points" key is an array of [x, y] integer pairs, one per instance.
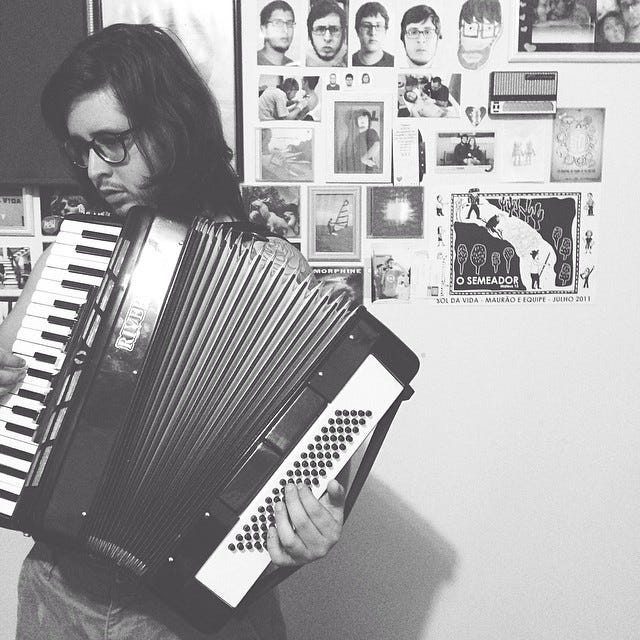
{"points": [[334, 223], [17, 258], [275, 207], [390, 276], [16, 211], [395, 212], [210, 31], [429, 95], [56, 203], [576, 31], [286, 154], [360, 137], [465, 152], [346, 280], [291, 96]]}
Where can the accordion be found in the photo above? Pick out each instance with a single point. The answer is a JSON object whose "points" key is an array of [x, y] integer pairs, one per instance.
{"points": [[180, 374]]}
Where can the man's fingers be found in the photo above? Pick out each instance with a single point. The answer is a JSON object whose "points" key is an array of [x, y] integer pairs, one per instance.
{"points": [[8, 359]]}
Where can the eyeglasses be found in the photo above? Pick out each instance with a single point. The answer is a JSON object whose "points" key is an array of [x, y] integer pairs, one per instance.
{"points": [[282, 24], [370, 27], [322, 31], [111, 147], [413, 33], [484, 30]]}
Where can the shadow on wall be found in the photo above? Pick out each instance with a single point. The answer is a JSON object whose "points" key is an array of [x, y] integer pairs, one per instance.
{"points": [[378, 583]]}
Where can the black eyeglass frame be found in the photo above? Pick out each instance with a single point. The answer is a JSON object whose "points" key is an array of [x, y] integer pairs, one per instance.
{"points": [[70, 152]]}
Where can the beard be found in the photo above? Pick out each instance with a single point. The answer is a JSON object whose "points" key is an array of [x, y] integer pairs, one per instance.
{"points": [[325, 56]]}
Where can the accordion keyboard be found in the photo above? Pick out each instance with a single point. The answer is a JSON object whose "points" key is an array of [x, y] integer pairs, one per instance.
{"points": [[76, 263], [320, 455]]}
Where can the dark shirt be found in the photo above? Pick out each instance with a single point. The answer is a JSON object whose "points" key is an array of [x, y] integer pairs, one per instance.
{"points": [[385, 61], [440, 95]]}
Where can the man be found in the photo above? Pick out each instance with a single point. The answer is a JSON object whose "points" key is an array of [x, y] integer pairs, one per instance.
{"points": [[630, 10], [438, 92], [141, 128], [420, 33], [333, 83], [372, 23], [273, 103], [277, 22], [480, 25], [327, 31], [462, 149], [348, 80]]}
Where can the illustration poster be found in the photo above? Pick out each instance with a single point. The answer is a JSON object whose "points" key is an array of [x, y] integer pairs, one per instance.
{"points": [[521, 246], [577, 145]]}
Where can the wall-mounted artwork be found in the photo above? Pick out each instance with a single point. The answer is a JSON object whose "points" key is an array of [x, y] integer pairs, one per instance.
{"points": [[16, 212], [576, 31]]}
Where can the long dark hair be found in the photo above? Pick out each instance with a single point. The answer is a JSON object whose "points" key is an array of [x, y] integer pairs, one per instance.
{"points": [[167, 102]]}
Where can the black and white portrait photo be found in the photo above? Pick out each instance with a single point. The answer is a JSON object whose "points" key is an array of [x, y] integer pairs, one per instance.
{"points": [[360, 141], [327, 32], [373, 23], [466, 152], [279, 36]]}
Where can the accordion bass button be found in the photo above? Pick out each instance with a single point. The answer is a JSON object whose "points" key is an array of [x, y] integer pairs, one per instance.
{"points": [[80, 357]]}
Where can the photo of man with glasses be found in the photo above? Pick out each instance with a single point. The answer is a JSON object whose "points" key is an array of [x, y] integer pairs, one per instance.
{"points": [[420, 33], [480, 26], [277, 22], [372, 24], [327, 31]]}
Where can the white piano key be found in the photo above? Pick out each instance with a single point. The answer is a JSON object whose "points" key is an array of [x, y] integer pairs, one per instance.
{"points": [[69, 251], [14, 399], [67, 264], [76, 226], [46, 311], [51, 286], [54, 301], [17, 454], [7, 415], [43, 324], [75, 240], [30, 349], [60, 275], [17, 432], [44, 386], [36, 337], [8, 502], [229, 572]]}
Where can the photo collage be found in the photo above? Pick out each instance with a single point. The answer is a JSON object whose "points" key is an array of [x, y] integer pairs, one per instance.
{"points": [[378, 138]]}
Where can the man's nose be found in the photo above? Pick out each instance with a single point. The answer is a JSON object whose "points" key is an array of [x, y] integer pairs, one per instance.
{"points": [[96, 167]]}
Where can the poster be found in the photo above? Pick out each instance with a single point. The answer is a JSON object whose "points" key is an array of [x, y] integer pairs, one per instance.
{"points": [[493, 245]]}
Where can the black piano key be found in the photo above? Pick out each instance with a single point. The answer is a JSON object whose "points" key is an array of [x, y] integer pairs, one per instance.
{"points": [[69, 306], [23, 411], [63, 322], [93, 251], [87, 271], [18, 454], [43, 375], [6, 495], [43, 357], [54, 337], [97, 235], [19, 429], [32, 395], [21, 475], [78, 286]]}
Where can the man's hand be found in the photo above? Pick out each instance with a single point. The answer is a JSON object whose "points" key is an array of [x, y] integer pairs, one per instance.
{"points": [[306, 528], [13, 369]]}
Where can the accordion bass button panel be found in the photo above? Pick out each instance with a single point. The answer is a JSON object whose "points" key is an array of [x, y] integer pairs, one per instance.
{"points": [[76, 263], [318, 457]]}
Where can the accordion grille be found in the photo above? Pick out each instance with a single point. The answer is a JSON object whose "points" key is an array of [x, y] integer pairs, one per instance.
{"points": [[239, 333]]}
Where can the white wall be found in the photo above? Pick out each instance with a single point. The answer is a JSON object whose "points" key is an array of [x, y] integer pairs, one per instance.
{"points": [[504, 505]]}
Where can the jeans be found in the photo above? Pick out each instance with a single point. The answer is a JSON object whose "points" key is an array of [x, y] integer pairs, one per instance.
{"points": [[68, 596]]}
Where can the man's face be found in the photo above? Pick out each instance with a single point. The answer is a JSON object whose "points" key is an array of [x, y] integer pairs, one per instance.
{"points": [[630, 12], [349, 81], [372, 33], [327, 36], [476, 40], [613, 30], [332, 78], [278, 32], [464, 139], [435, 85], [421, 41], [122, 185], [559, 9]]}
